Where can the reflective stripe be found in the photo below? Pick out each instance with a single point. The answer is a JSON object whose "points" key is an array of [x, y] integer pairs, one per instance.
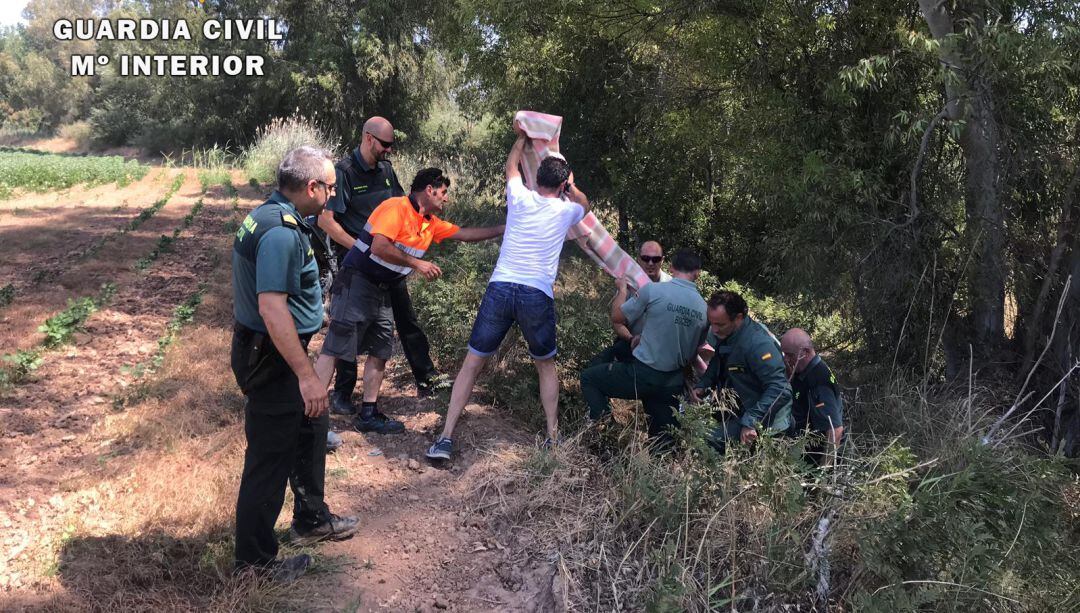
{"points": [[394, 267]]}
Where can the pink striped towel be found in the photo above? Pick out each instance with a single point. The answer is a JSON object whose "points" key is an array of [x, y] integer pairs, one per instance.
{"points": [[543, 132]]}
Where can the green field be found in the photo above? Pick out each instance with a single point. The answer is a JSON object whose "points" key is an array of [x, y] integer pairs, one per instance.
{"points": [[39, 172]]}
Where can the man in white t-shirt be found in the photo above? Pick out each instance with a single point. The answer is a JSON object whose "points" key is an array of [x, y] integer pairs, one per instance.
{"points": [[520, 288]]}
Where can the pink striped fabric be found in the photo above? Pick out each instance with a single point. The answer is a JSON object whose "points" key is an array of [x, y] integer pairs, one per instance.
{"points": [[543, 132]]}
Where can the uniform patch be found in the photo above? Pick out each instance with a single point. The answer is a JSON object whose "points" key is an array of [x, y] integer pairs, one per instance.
{"points": [[288, 219], [819, 405], [766, 356]]}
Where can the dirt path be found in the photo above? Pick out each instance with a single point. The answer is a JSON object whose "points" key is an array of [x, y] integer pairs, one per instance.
{"points": [[116, 492]]}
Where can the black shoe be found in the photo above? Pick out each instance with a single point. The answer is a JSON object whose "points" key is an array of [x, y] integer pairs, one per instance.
{"points": [[341, 406], [378, 423], [337, 529]]}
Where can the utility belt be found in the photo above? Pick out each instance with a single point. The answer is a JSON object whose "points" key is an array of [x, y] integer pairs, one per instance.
{"points": [[347, 275], [258, 366]]}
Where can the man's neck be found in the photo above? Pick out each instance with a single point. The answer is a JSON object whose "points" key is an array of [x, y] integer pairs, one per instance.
{"points": [[547, 192], [675, 274], [298, 200], [369, 157]]}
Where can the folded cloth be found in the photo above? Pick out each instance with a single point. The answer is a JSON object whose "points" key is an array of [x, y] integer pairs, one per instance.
{"points": [[542, 132]]}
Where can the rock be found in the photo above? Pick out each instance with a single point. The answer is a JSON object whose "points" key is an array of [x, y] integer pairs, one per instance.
{"points": [[414, 498], [413, 464], [440, 602], [68, 438]]}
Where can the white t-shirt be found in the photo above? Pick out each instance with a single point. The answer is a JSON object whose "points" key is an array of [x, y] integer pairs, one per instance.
{"points": [[535, 230]]}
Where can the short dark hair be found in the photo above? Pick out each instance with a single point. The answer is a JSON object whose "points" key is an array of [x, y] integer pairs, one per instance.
{"points": [[686, 260], [552, 172], [433, 177], [733, 303]]}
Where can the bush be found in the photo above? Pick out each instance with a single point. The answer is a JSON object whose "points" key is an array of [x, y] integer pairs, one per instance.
{"points": [[272, 141], [80, 132]]}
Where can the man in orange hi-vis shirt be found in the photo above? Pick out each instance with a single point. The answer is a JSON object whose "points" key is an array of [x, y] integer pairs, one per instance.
{"points": [[390, 247]]}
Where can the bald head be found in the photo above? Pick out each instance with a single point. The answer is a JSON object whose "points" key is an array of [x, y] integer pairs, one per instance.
{"points": [[797, 348], [651, 250], [379, 126], [376, 140]]}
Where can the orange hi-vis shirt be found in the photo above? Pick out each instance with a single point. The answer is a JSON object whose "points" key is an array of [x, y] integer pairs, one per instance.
{"points": [[399, 220]]}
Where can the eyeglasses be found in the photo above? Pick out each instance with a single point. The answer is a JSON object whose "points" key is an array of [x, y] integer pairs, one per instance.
{"points": [[331, 188], [384, 143], [651, 259]]}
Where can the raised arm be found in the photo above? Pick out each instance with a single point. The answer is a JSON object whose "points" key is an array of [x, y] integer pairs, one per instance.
{"points": [[514, 159], [576, 195]]}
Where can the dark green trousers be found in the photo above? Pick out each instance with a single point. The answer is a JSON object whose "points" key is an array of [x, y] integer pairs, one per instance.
{"points": [[658, 391]]}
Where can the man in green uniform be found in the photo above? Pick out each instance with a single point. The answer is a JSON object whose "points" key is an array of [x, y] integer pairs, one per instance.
{"points": [[818, 405], [673, 326], [650, 255], [278, 307], [366, 179], [753, 368]]}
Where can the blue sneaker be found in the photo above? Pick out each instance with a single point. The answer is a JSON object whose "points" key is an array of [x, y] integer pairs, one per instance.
{"points": [[440, 449], [333, 441]]}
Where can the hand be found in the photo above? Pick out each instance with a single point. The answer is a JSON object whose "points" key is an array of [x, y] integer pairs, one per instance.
{"points": [[836, 435], [428, 270], [634, 342], [748, 435], [621, 283], [517, 130], [695, 394], [316, 400]]}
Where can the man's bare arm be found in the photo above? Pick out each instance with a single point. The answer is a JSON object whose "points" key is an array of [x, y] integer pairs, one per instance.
{"points": [[514, 159], [385, 250], [470, 235], [334, 230]]}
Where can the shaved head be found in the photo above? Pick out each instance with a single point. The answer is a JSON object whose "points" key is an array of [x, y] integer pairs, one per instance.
{"points": [[797, 348], [651, 248], [380, 127]]}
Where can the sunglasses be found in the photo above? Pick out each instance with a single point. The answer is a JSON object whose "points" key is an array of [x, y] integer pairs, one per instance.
{"points": [[386, 144], [651, 259]]}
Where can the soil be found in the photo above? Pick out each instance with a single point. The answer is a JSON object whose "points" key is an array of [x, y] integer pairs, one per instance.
{"points": [[90, 459]]}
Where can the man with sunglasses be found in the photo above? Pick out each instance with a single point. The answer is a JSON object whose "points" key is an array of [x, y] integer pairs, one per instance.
{"points": [[650, 256], [366, 178]]}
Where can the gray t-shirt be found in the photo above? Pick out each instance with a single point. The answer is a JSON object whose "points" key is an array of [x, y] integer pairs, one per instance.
{"points": [[635, 329], [674, 324]]}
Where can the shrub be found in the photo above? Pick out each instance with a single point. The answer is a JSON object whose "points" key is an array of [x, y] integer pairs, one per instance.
{"points": [[272, 141], [79, 132]]}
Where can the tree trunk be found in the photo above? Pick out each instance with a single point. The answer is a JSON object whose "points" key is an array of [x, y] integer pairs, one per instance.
{"points": [[969, 98]]}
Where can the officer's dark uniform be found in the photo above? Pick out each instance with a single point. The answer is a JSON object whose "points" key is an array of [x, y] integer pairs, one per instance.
{"points": [[817, 405], [361, 188], [753, 368], [272, 252]]}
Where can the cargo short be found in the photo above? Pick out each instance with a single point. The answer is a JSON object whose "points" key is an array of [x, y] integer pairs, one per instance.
{"points": [[361, 319]]}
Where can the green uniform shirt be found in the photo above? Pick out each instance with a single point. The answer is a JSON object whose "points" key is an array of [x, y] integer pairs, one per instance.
{"points": [[673, 324], [818, 405], [754, 369], [272, 253]]}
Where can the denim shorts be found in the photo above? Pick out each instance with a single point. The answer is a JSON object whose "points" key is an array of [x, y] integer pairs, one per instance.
{"points": [[505, 304]]}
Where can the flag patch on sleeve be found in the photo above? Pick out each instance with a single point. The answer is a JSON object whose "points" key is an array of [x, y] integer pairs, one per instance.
{"points": [[766, 356]]}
